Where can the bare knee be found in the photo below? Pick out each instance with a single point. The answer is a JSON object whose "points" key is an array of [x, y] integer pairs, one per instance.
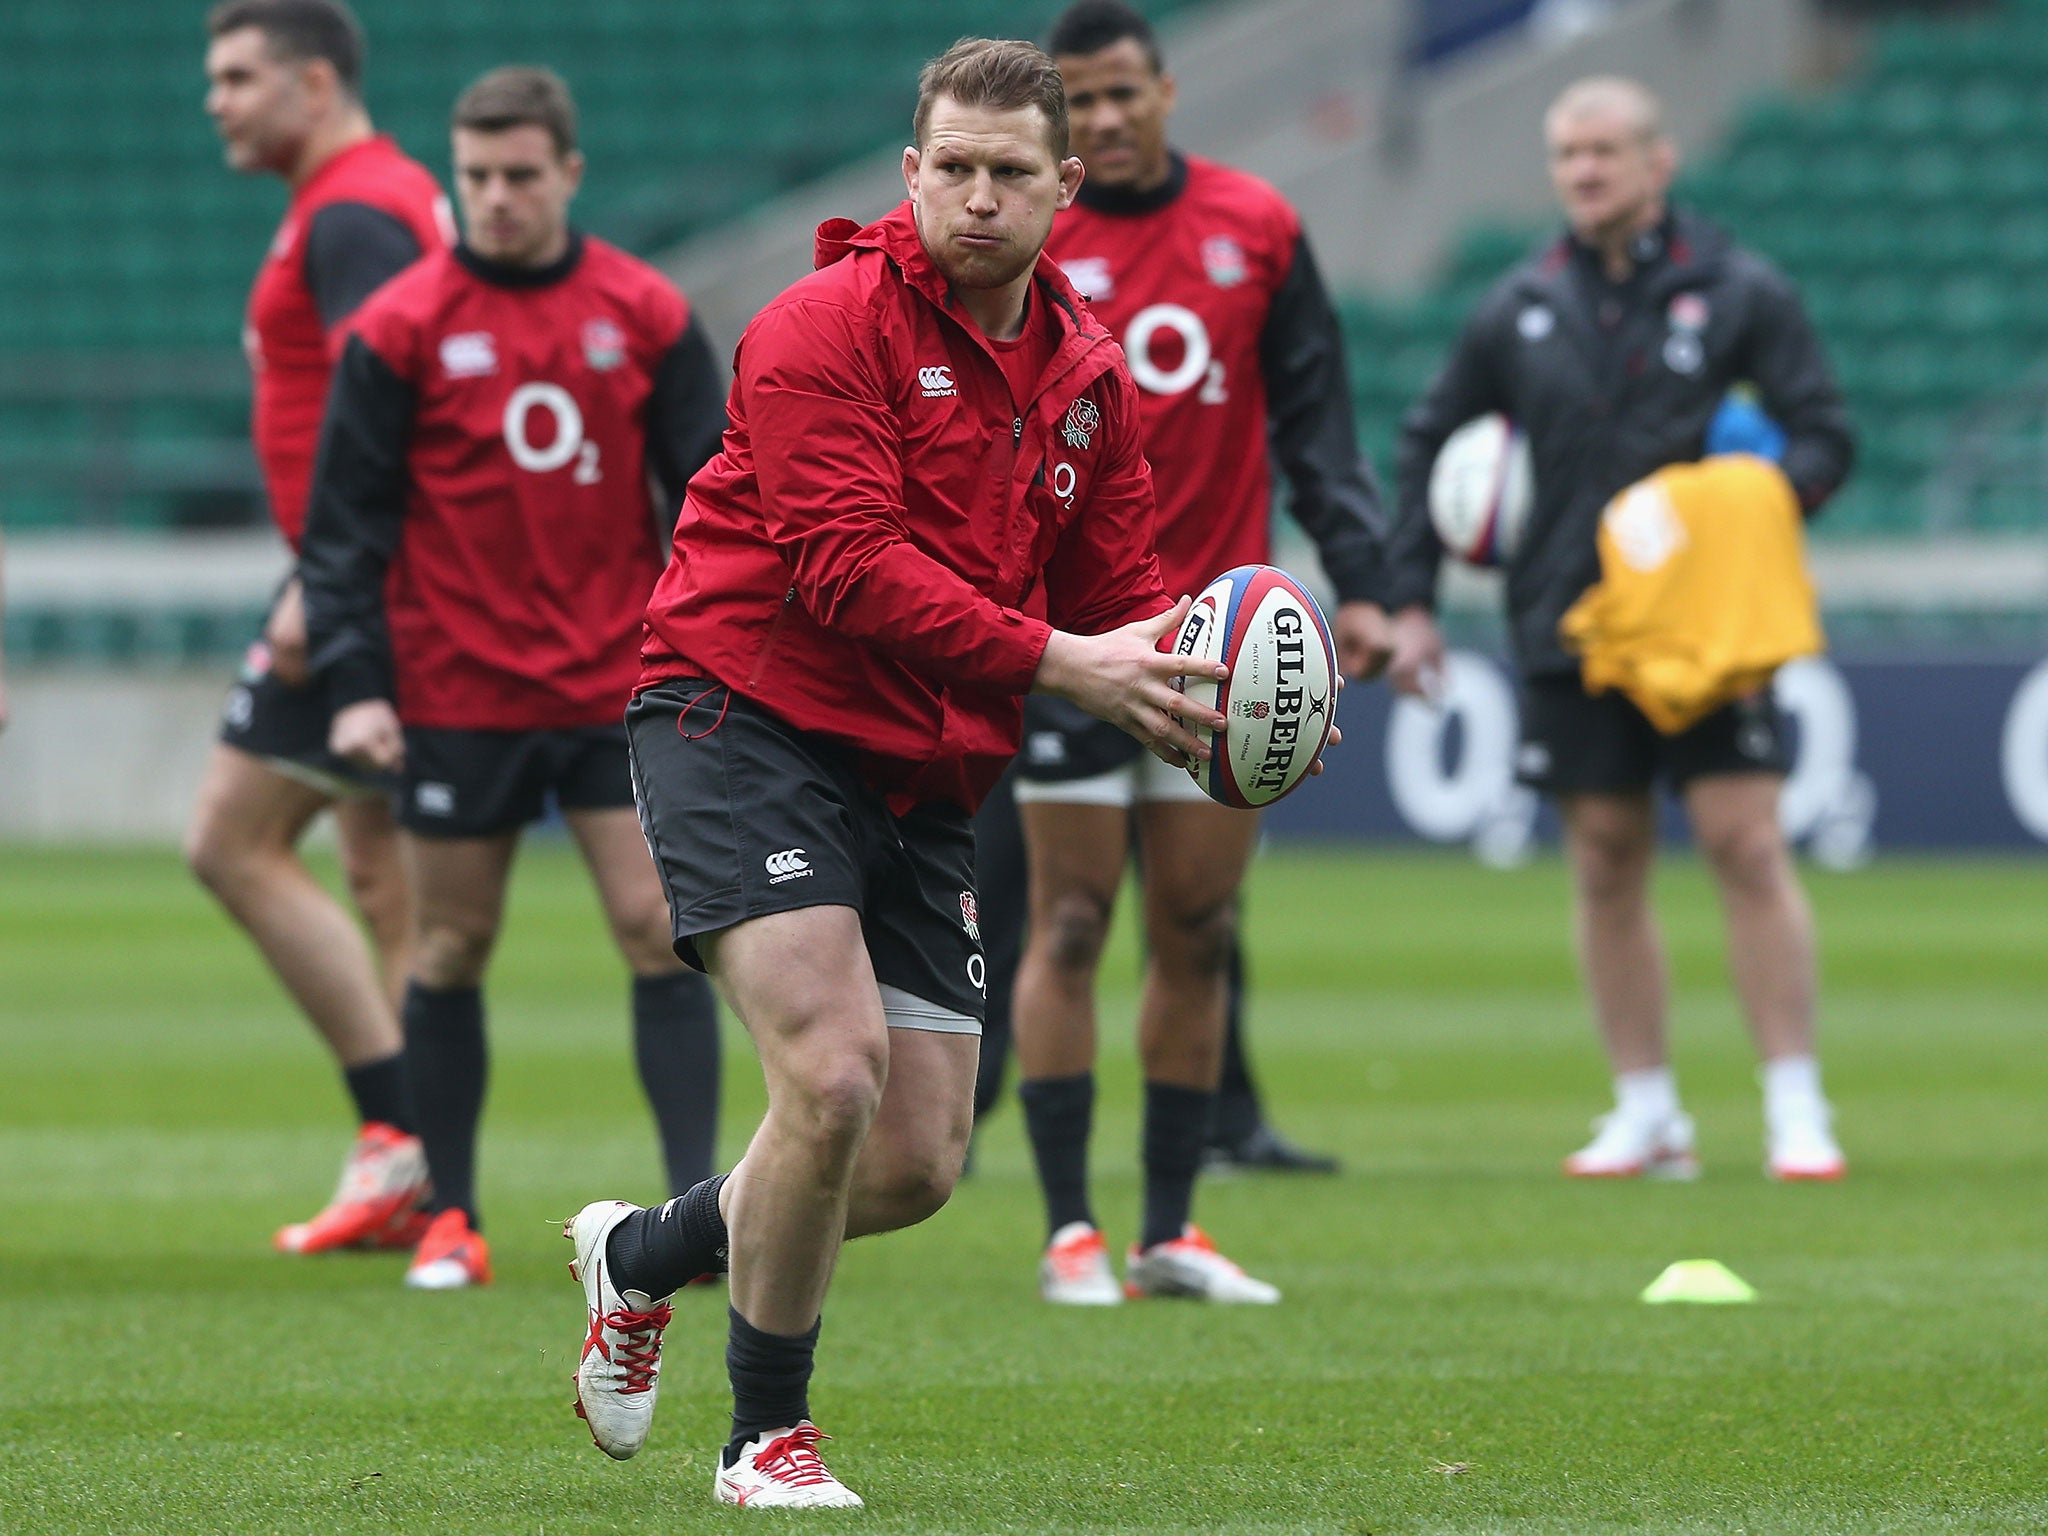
{"points": [[839, 1094], [377, 886], [1075, 931], [453, 954], [1748, 858], [227, 857], [903, 1185], [1197, 940], [644, 937], [916, 1190], [1610, 858]]}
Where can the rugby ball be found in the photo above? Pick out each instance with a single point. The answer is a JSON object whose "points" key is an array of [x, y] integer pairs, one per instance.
{"points": [[1281, 696], [1480, 490]]}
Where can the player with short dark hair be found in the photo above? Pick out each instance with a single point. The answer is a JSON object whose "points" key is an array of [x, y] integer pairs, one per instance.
{"points": [[1205, 274], [1614, 349], [284, 84], [933, 499], [513, 98], [300, 32], [480, 548]]}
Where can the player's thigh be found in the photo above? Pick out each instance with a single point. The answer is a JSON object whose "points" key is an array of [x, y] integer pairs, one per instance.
{"points": [[614, 850], [1194, 854], [1610, 839], [245, 803], [459, 883], [1073, 852], [927, 1110], [801, 982], [368, 832], [1735, 823]]}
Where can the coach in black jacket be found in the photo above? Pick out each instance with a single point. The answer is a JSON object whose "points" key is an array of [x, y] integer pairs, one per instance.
{"points": [[1612, 350]]}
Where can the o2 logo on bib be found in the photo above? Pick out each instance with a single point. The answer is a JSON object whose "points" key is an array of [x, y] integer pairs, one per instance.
{"points": [[1198, 361], [563, 443]]}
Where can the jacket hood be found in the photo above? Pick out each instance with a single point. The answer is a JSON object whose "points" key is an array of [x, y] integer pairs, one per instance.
{"points": [[895, 235]]}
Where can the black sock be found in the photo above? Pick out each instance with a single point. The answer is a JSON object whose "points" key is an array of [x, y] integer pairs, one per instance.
{"points": [[1237, 1112], [655, 1251], [1176, 1125], [675, 1043], [1059, 1113], [378, 1088], [447, 1063], [771, 1379]]}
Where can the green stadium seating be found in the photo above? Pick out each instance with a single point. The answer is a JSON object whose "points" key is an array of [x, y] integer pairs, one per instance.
{"points": [[125, 236]]}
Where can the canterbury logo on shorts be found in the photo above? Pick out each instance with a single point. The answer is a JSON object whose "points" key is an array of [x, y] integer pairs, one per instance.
{"points": [[790, 864]]}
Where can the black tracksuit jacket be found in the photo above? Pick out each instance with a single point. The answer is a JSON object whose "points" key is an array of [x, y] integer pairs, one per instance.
{"points": [[1612, 381]]}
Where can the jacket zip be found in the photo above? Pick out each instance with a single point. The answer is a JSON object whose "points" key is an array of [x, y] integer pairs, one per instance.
{"points": [[768, 645]]}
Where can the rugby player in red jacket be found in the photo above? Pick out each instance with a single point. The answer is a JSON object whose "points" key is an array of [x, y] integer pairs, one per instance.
{"points": [[284, 90], [478, 554], [1205, 275], [932, 499]]}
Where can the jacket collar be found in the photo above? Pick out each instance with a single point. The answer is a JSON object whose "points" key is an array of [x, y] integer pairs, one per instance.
{"points": [[895, 235], [1683, 248]]}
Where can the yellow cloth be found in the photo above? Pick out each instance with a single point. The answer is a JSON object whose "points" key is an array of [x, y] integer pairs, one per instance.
{"points": [[1703, 590]]}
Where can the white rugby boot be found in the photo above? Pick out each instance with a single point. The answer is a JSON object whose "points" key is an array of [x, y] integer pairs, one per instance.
{"points": [[1189, 1266], [1632, 1146], [782, 1471], [620, 1371], [1800, 1146], [1075, 1271]]}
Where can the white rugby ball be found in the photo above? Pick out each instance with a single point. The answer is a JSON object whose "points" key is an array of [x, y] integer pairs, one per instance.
{"points": [[1280, 699], [1480, 490]]}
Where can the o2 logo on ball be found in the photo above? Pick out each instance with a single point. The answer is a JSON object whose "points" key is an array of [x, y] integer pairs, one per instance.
{"points": [[1263, 625]]}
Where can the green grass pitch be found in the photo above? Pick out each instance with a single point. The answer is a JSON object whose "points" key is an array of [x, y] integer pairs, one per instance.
{"points": [[1460, 1348]]}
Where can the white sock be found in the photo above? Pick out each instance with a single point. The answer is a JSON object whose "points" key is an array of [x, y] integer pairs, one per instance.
{"points": [[1792, 1087], [1649, 1095]]}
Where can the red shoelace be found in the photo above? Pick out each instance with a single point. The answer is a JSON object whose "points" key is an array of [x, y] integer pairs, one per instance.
{"points": [[793, 1458], [639, 1350]]}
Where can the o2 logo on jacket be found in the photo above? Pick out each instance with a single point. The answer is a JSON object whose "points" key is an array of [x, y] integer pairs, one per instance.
{"points": [[1198, 362], [564, 443]]}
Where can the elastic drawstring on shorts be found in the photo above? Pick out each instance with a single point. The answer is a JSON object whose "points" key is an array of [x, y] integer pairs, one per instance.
{"points": [[722, 708]]}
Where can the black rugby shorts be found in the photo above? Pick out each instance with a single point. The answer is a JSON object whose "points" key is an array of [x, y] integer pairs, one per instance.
{"points": [[1575, 742], [748, 816], [483, 783], [287, 728], [1063, 742]]}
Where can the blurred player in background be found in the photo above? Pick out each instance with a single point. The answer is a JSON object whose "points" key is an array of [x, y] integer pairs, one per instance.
{"points": [[936, 457], [480, 548], [1205, 275], [1613, 350], [284, 90]]}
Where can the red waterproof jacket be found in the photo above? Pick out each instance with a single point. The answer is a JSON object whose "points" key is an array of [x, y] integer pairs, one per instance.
{"points": [[883, 546]]}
